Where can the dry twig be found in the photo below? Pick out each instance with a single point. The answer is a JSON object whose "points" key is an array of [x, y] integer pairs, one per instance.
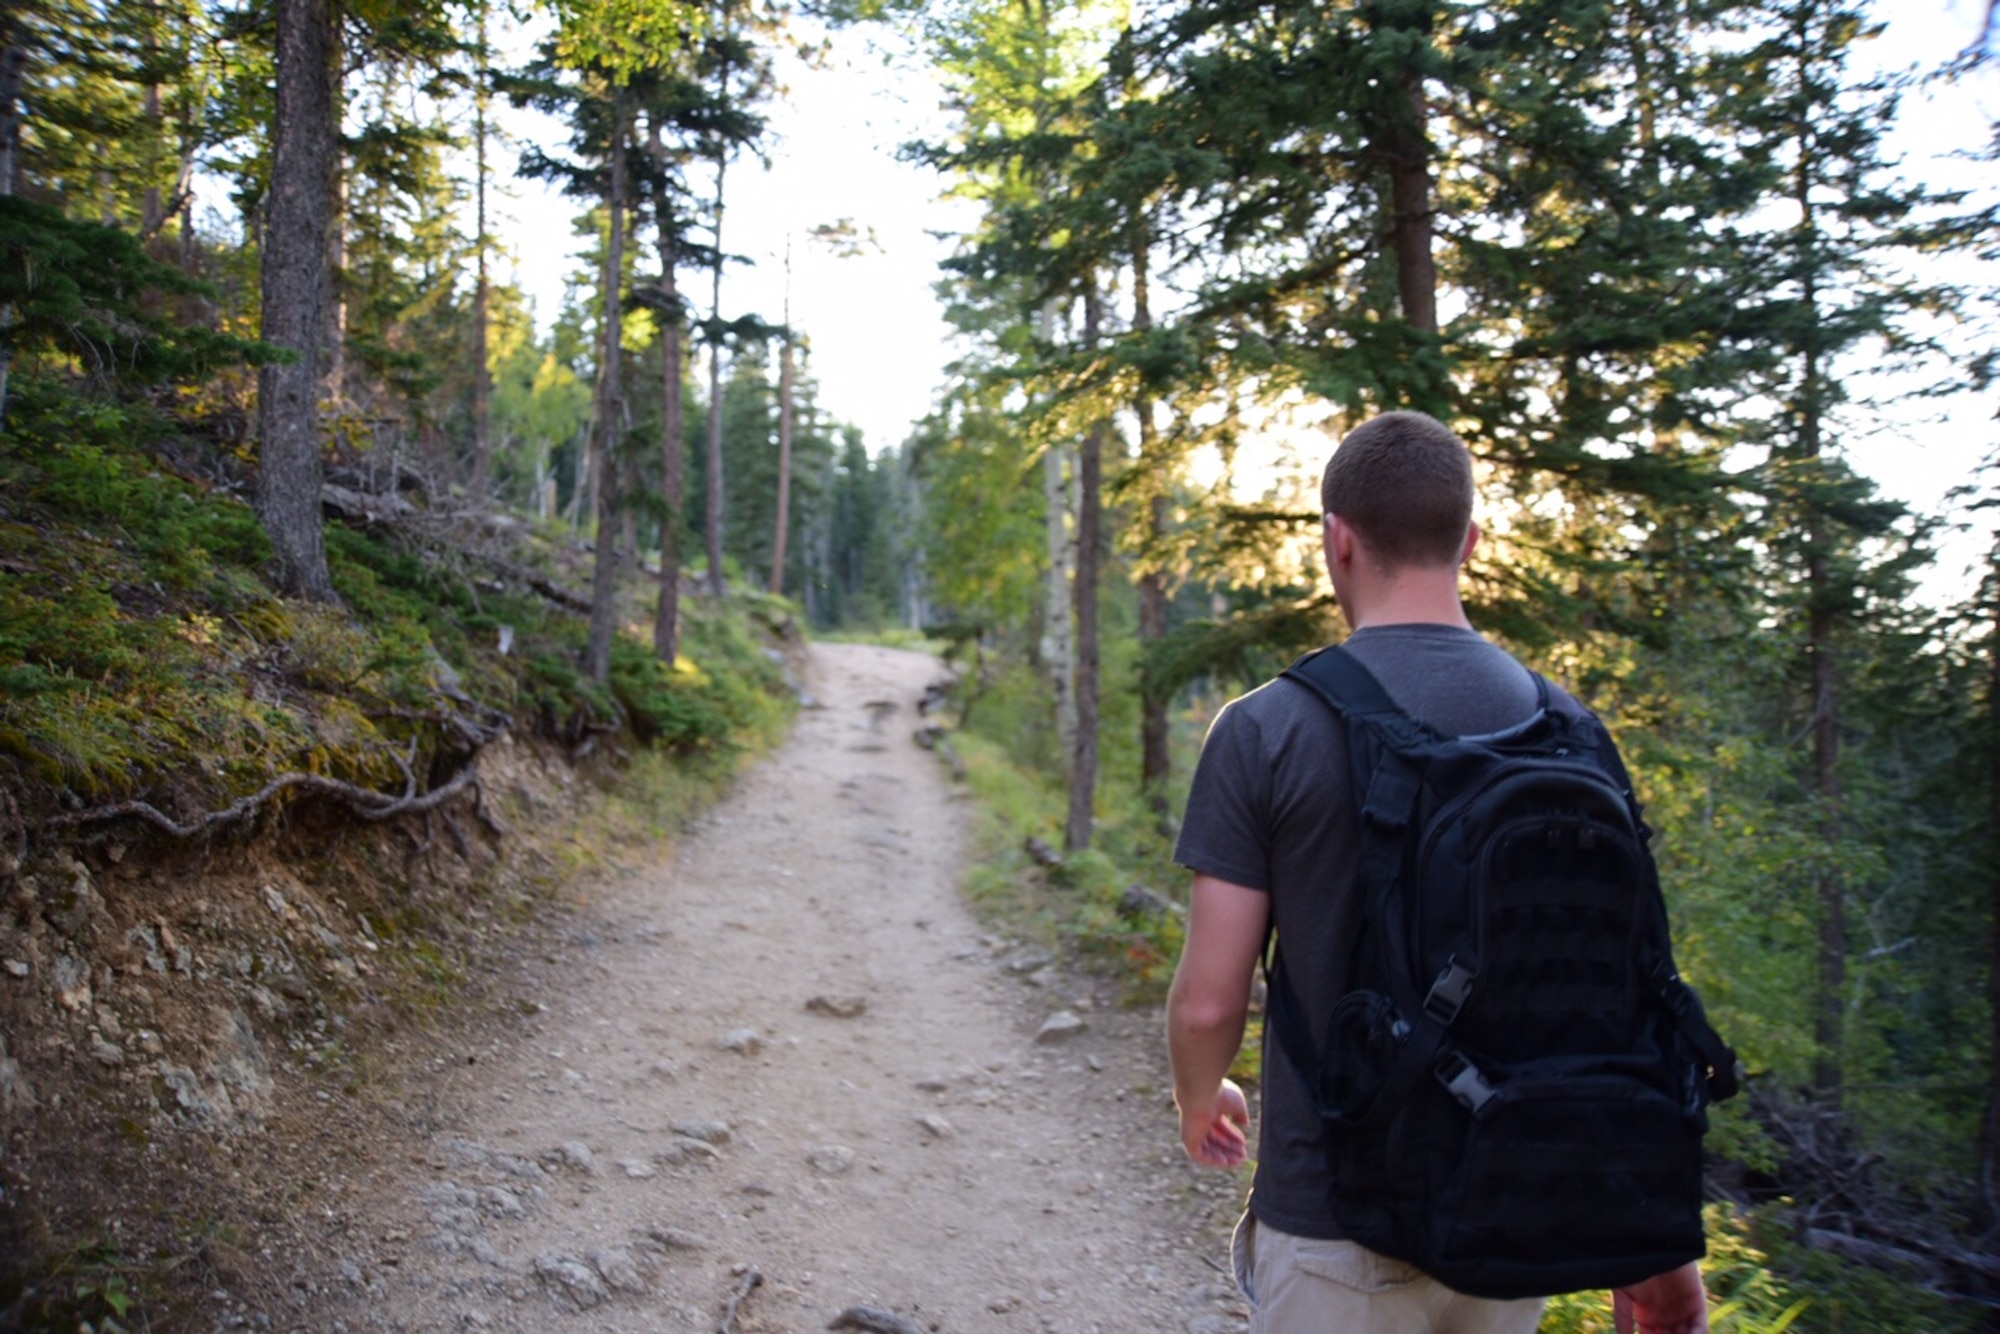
{"points": [[749, 1285]]}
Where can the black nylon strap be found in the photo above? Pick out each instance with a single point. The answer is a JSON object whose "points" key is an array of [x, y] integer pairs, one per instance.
{"points": [[1386, 796], [1338, 677]]}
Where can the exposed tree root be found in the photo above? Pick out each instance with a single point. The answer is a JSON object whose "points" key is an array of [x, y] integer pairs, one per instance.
{"points": [[364, 802]]}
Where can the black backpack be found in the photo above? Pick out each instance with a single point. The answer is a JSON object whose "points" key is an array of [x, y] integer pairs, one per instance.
{"points": [[1515, 1091]]}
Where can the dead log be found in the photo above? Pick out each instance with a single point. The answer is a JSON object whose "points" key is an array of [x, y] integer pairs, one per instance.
{"points": [[1139, 903], [1876, 1255]]}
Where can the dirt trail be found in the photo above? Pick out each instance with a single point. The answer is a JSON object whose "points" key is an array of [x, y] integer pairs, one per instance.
{"points": [[698, 1103]]}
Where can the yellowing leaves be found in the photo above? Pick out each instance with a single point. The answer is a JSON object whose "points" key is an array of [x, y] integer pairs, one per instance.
{"points": [[624, 37]]}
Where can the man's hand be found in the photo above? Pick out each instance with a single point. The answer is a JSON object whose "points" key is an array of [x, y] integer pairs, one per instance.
{"points": [[1671, 1303], [1218, 1135]]}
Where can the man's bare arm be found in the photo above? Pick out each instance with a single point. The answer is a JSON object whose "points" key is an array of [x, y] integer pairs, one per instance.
{"points": [[1206, 1010]]}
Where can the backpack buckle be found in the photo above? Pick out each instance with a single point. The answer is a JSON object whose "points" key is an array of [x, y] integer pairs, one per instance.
{"points": [[1449, 993], [1462, 1080]]}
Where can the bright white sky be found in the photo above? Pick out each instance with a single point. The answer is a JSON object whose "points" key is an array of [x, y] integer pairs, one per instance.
{"points": [[877, 338], [879, 345]]}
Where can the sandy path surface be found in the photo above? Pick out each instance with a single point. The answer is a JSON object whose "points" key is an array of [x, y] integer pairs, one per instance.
{"points": [[786, 1066]]}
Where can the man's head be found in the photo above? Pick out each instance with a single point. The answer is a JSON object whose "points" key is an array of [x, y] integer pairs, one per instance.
{"points": [[1403, 482]]}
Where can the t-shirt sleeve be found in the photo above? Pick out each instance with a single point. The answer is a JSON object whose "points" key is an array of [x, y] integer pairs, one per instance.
{"points": [[1226, 830]]}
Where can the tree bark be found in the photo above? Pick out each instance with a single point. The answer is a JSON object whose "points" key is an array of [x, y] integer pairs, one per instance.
{"points": [[333, 353], [785, 385], [1989, 1137], [666, 622], [295, 283], [482, 297], [1089, 527], [1991, 1127], [1402, 141], [153, 204], [716, 584], [610, 407], [1155, 761], [1058, 647], [1829, 885], [13, 69]]}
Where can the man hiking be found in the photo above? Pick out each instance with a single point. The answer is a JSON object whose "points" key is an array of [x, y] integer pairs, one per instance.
{"points": [[1271, 834]]}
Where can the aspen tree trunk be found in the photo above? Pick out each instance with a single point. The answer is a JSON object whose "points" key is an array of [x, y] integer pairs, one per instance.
{"points": [[334, 352], [1058, 648], [610, 408], [482, 297], [1155, 762], [784, 521], [1089, 525], [716, 584], [296, 283], [673, 484]]}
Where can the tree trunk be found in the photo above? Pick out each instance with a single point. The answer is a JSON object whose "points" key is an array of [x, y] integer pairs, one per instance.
{"points": [[333, 353], [610, 409], [1989, 1137], [1155, 762], [153, 204], [295, 282], [13, 68], [716, 584], [785, 384], [1401, 140], [666, 622], [482, 297], [1828, 883], [1058, 649], [1089, 524], [1410, 200]]}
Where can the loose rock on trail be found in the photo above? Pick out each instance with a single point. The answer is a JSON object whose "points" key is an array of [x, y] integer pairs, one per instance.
{"points": [[784, 1080]]}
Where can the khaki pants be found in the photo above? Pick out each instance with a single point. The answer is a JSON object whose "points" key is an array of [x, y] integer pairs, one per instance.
{"points": [[1300, 1286]]}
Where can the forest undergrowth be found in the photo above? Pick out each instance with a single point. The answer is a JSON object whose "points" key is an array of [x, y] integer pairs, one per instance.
{"points": [[267, 861]]}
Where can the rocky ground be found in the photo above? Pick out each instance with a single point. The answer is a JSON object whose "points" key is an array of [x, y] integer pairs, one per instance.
{"points": [[781, 1079]]}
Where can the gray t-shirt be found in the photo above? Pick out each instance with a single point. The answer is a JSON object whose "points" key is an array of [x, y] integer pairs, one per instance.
{"points": [[1269, 809]]}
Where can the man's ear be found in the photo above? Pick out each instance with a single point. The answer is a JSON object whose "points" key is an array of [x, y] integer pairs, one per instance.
{"points": [[1471, 541], [1339, 541]]}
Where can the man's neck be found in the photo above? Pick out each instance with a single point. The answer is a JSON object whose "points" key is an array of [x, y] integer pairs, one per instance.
{"points": [[1417, 598]]}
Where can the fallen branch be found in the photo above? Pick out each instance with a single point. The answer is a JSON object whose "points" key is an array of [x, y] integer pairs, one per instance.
{"points": [[742, 1294], [535, 580], [364, 802]]}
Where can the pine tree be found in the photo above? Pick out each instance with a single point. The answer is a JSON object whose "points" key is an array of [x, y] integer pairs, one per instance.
{"points": [[297, 290]]}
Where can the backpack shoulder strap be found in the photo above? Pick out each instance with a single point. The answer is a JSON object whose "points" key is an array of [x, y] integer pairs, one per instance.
{"points": [[1349, 688]]}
